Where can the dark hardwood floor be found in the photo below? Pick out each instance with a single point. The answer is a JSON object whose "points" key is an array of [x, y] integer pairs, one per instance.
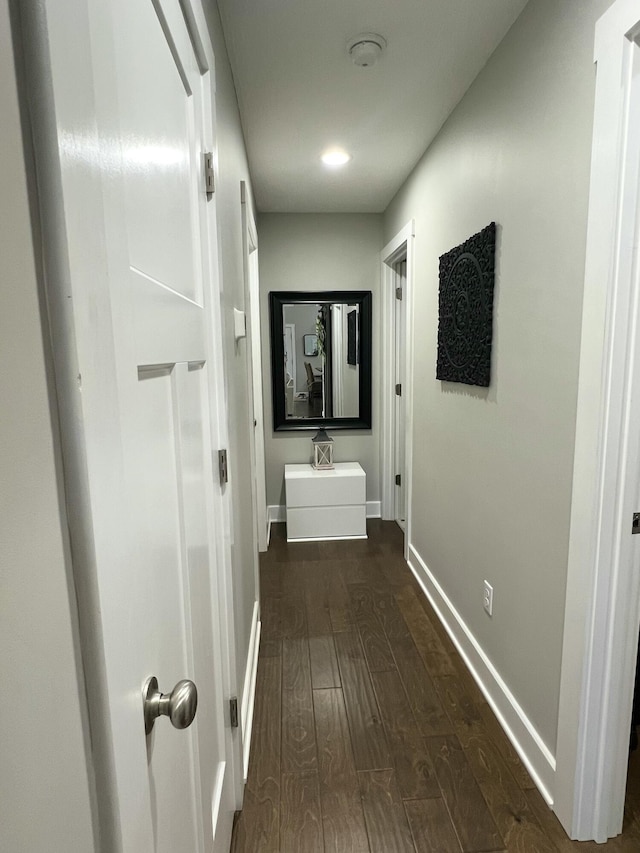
{"points": [[369, 733]]}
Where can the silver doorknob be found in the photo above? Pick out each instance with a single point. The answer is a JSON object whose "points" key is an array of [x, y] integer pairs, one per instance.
{"points": [[180, 705]]}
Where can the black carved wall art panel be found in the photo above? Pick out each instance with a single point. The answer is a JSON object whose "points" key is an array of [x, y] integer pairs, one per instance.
{"points": [[465, 324]]}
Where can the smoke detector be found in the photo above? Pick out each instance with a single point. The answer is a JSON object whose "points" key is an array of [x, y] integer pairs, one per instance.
{"points": [[366, 49]]}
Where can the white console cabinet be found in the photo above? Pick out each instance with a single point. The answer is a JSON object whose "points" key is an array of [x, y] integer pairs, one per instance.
{"points": [[328, 504]]}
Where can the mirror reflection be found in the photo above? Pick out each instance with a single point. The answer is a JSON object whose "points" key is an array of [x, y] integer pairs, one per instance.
{"points": [[321, 360]]}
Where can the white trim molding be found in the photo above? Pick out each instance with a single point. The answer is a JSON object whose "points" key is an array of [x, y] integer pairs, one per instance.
{"points": [[535, 754], [400, 247], [275, 515], [602, 603], [249, 689]]}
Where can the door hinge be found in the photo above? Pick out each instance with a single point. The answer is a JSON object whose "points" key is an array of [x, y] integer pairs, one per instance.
{"points": [[233, 712], [399, 293], [635, 527], [209, 174], [398, 390], [223, 467], [398, 479]]}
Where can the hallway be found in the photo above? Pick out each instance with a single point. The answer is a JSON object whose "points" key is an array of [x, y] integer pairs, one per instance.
{"points": [[369, 733]]}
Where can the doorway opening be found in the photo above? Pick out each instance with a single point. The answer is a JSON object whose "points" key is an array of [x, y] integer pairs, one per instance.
{"points": [[397, 379]]}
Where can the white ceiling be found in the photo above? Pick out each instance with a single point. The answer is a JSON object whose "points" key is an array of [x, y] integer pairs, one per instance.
{"points": [[299, 91]]}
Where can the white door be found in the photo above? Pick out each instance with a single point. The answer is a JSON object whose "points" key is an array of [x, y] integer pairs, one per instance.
{"points": [[133, 93], [400, 271]]}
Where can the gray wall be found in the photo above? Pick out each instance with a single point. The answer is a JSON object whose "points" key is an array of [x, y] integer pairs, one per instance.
{"points": [[232, 169], [492, 468], [319, 252], [44, 785]]}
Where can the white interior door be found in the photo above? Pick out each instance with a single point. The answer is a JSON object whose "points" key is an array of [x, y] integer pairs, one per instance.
{"points": [[131, 131], [400, 407]]}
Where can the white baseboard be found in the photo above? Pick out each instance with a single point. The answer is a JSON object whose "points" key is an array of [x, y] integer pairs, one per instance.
{"points": [[276, 513], [249, 689], [374, 509], [535, 755]]}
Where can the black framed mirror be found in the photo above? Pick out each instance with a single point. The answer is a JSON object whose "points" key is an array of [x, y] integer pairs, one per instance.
{"points": [[333, 387]]}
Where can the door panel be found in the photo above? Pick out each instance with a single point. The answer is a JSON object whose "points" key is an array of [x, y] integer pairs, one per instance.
{"points": [[158, 453], [159, 94]]}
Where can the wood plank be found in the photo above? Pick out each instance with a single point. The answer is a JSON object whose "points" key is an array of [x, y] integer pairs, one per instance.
{"points": [[431, 826], [431, 649], [293, 618], [373, 575], [507, 803], [469, 719], [300, 818], [394, 568], [370, 748], [317, 603], [342, 815], [414, 771], [270, 617], [296, 552], [505, 747], [340, 611], [351, 568], [470, 816], [384, 813], [421, 692], [462, 711], [270, 578], [293, 614], [258, 827], [354, 571], [298, 732], [270, 648], [324, 663], [374, 641], [348, 549]]}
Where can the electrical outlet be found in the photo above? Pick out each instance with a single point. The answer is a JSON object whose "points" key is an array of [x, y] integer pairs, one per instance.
{"points": [[487, 598]]}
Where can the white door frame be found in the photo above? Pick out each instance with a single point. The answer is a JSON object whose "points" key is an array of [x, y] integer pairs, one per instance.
{"points": [[398, 248], [254, 365], [400, 511], [603, 585]]}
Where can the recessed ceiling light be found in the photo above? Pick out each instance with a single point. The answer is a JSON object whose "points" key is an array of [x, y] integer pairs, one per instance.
{"points": [[335, 157]]}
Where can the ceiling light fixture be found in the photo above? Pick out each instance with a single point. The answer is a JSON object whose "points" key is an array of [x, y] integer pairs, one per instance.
{"points": [[366, 49], [335, 157]]}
